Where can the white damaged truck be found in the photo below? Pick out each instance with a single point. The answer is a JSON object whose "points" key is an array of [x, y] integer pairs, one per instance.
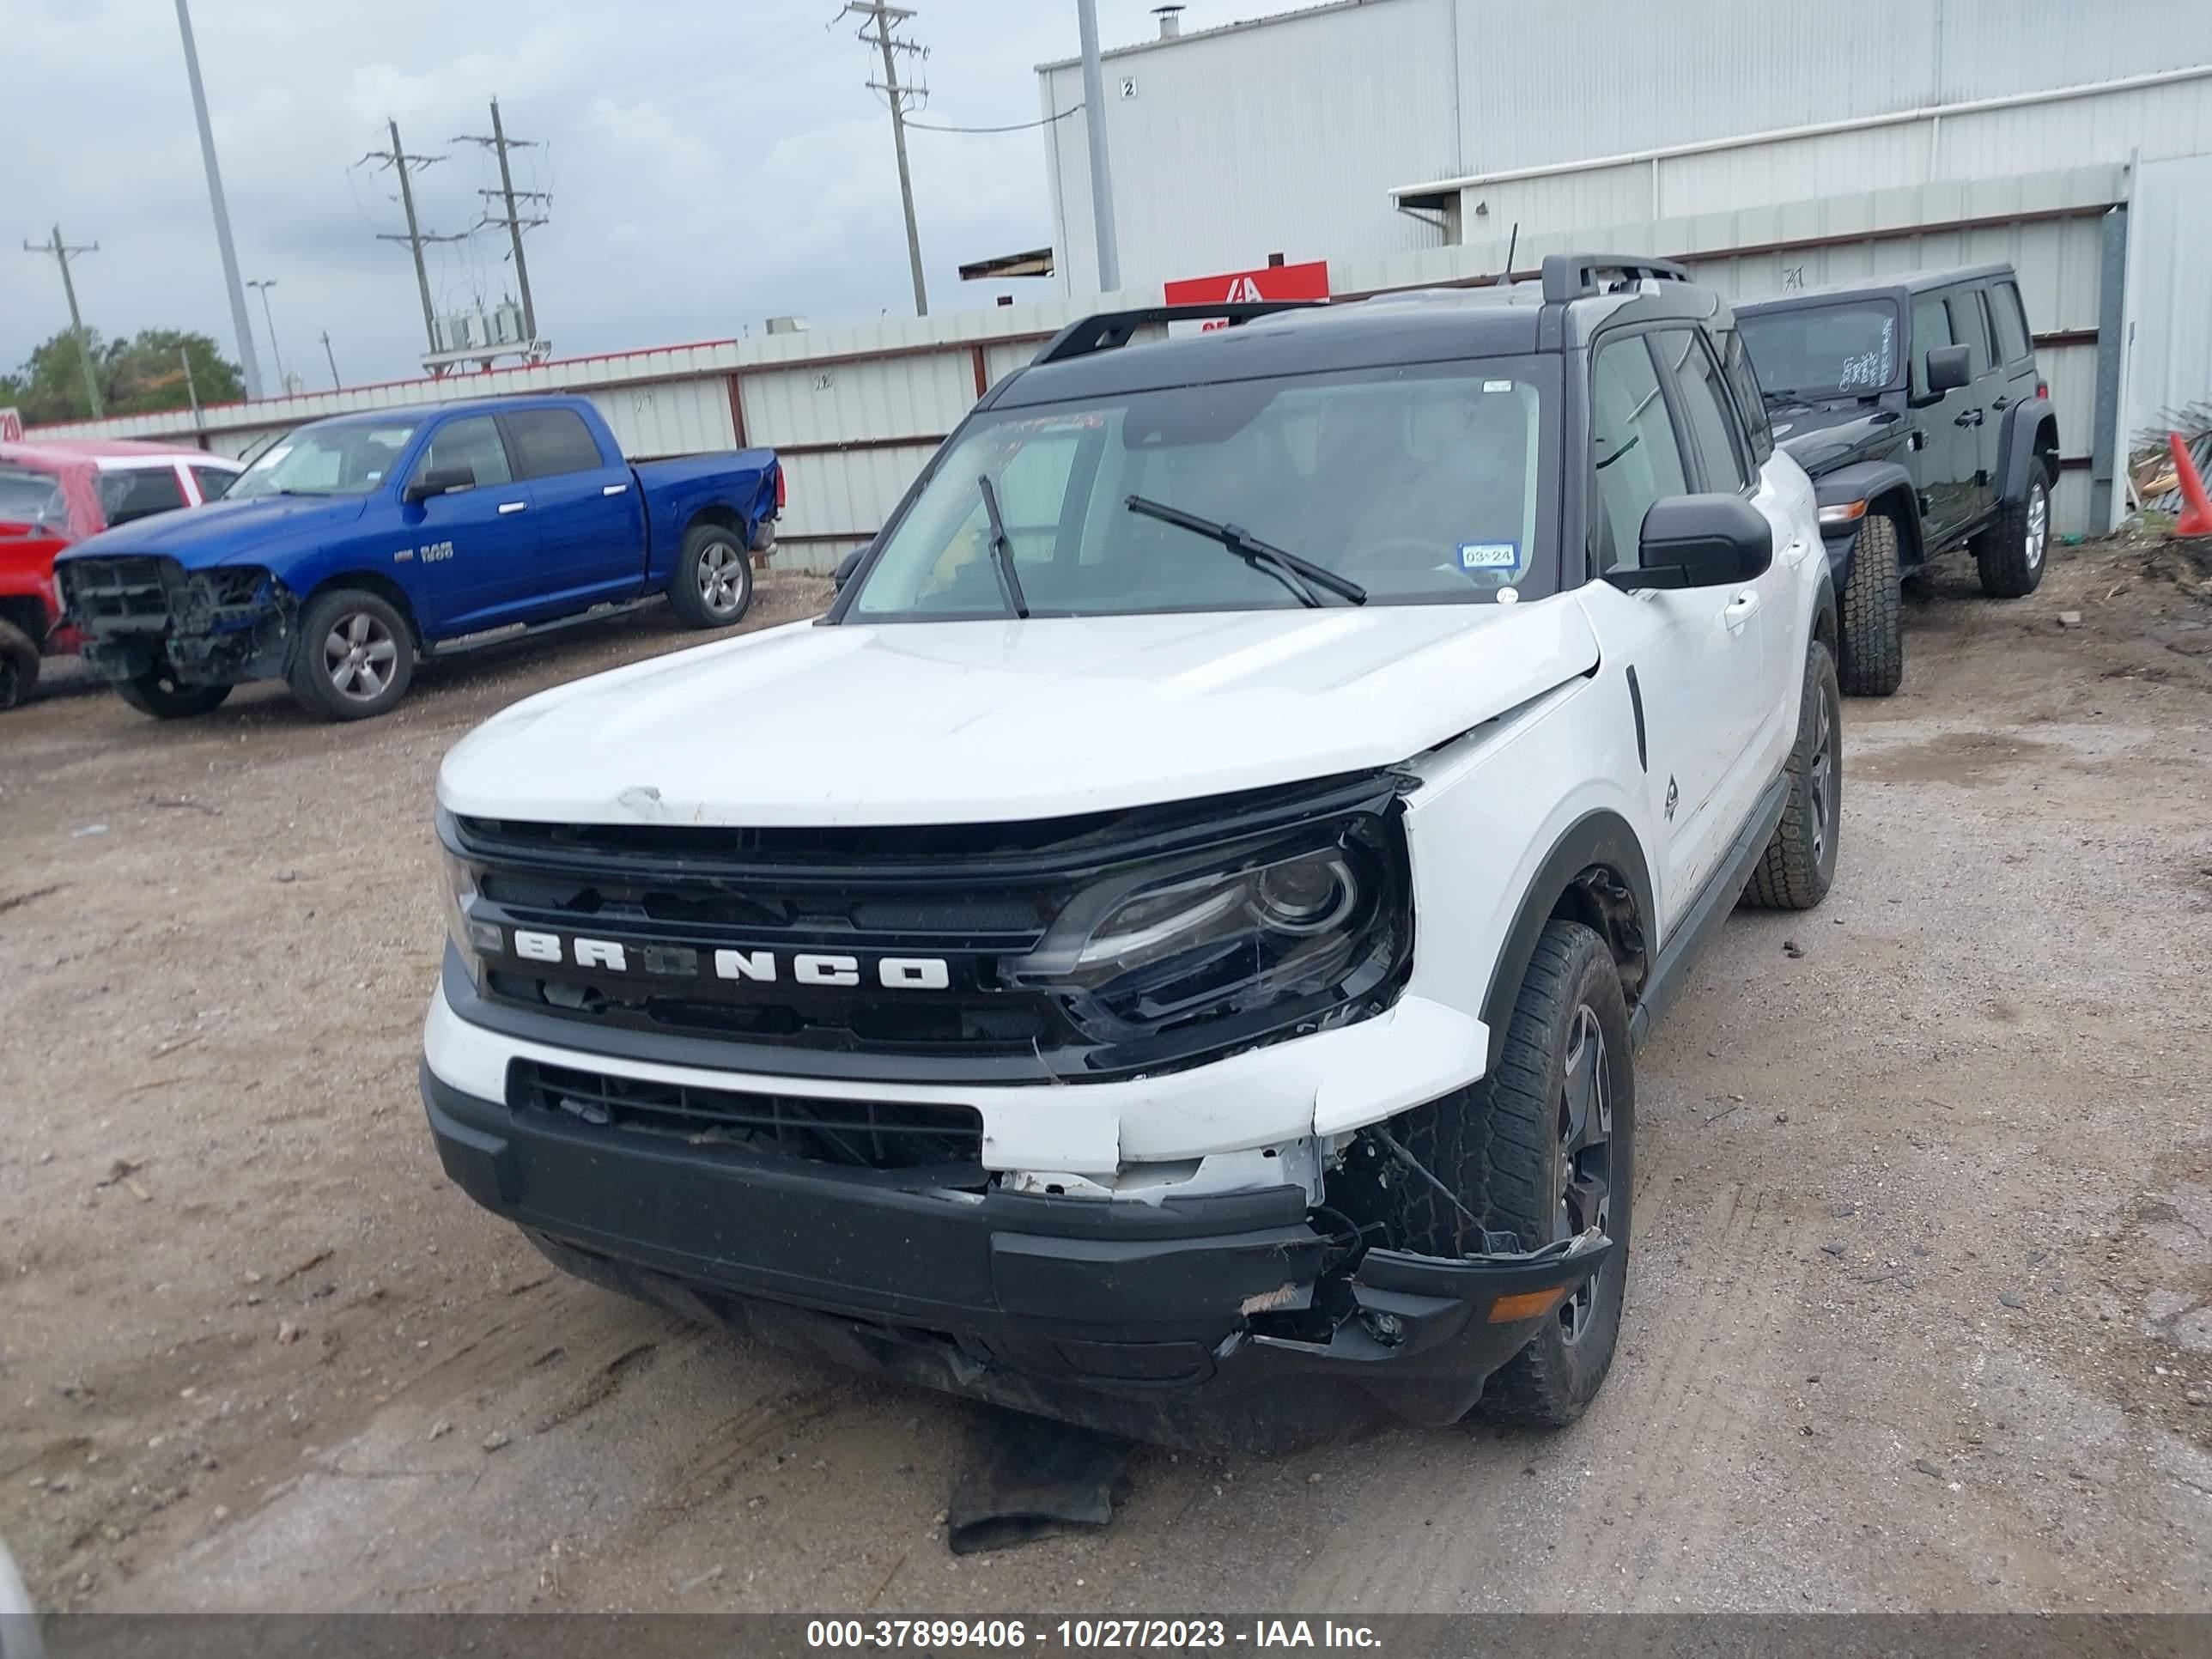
{"points": [[1166, 949]]}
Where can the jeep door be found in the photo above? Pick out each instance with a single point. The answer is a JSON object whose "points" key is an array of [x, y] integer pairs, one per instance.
{"points": [[2015, 360], [467, 557], [1695, 656], [1969, 327], [1948, 453]]}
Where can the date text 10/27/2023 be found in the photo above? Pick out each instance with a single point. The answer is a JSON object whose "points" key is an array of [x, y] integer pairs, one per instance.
{"points": [[1006, 1635]]}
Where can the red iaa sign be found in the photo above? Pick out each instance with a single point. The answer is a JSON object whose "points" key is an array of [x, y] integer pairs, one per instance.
{"points": [[1306, 281]]}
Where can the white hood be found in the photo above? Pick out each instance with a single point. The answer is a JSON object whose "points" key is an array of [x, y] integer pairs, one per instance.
{"points": [[983, 721]]}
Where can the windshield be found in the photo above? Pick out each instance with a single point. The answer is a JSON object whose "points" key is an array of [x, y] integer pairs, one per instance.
{"points": [[340, 458], [1419, 483], [29, 497], [1847, 350]]}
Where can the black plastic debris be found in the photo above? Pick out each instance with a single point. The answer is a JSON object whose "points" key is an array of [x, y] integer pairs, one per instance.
{"points": [[1027, 1477]]}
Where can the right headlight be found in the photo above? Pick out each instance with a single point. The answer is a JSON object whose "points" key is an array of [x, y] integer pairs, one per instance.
{"points": [[1281, 935], [471, 938]]}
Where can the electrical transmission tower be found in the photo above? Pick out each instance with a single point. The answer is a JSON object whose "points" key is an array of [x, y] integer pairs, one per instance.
{"points": [[63, 252], [508, 194], [877, 33], [397, 158]]}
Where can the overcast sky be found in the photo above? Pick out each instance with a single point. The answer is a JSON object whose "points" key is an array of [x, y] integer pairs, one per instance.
{"points": [[712, 162]]}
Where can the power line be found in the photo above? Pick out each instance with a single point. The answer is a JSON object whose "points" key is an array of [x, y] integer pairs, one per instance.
{"points": [[63, 252], [397, 158], [885, 18], [1018, 126], [499, 143]]}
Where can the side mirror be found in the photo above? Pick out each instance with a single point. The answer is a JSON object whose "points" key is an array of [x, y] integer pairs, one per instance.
{"points": [[847, 565], [438, 481], [1948, 369], [1700, 541]]}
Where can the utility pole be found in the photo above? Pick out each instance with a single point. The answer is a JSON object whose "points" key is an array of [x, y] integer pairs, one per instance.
{"points": [[397, 158], [1102, 171], [62, 252], [274, 350], [330, 357], [238, 322], [885, 17], [515, 224]]}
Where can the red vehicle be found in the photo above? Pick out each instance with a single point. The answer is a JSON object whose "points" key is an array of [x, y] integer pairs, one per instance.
{"points": [[59, 491]]}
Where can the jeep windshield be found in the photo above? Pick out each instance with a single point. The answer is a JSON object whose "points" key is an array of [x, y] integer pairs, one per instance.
{"points": [[331, 458], [1420, 483], [1804, 353]]}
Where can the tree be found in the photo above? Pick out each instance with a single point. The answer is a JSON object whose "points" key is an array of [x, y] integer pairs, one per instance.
{"points": [[142, 374]]}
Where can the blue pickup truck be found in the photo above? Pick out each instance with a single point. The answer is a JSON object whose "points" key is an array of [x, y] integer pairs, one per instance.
{"points": [[353, 546]]}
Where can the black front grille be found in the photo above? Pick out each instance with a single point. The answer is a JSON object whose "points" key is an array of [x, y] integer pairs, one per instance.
{"points": [[130, 590], [869, 1134]]}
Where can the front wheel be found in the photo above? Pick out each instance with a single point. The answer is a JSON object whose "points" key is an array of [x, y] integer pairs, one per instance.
{"points": [[1543, 1148], [2010, 554], [160, 693], [1800, 861], [1873, 643], [354, 657], [19, 665], [714, 580]]}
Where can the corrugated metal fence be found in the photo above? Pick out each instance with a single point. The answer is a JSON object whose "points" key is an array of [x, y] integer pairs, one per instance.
{"points": [[855, 412]]}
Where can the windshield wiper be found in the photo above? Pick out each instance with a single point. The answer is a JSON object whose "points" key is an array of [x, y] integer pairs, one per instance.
{"points": [[1002, 550], [1295, 572]]}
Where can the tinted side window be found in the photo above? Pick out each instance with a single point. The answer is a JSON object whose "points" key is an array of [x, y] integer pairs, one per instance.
{"points": [[139, 494], [1633, 446], [472, 443], [2012, 323], [1931, 327], [1969, 327], [553, 441], [1750, 398], [212, 481], [1706, 408]]}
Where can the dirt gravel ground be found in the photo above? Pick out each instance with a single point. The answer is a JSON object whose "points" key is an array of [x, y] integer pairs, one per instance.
{"points": [[1920, 1314]]}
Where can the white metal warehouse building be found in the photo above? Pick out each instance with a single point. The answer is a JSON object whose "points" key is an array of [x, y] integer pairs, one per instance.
{"points": [[1414, 142]]}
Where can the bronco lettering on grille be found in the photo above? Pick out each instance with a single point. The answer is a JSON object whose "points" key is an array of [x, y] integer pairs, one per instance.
{"points": [[759, 967]]}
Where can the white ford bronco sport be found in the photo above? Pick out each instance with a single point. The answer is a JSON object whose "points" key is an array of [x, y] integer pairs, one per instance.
{"points": [[1165, 950]]}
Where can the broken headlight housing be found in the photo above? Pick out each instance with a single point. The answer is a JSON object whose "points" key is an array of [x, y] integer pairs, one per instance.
{"points": [[1301, 932], [472, 938]]}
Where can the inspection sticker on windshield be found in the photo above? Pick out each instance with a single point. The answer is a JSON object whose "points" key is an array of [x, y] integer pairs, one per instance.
{"points": [[1498, 385], [1489, 555]]}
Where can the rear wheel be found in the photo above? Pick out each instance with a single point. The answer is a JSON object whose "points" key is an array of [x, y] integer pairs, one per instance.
{"points": [[2010, 554], [1800, 861], [714, 580], [354, 657], [1543, 1149], [160, 693], [1874, 644], [19, 665]]}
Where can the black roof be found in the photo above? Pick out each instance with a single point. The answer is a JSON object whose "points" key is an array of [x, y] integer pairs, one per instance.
{"points": [[1090, 358], [1897, 284]]}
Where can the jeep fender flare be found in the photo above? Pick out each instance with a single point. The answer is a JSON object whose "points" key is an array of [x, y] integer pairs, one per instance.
{"points": [[2025, 425], [1598, 840], [1884, 482]]}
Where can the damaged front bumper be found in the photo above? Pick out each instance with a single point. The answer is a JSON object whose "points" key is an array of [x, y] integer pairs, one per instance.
{"points": [[140, 614], [1222, 1321]]}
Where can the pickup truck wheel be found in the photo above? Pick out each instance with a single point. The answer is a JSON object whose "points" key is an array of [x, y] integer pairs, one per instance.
{"points": [[19, 665], [160, 693], [1874, 645], [713, 582], [354, 657], [1800, 861], [2010, 554], [1542, 1149]]}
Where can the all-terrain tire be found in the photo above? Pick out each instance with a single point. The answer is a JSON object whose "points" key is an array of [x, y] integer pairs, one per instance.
{"points": [[354, 656], [2010, 554], [1795, 871], [1500, 1145], [713, 586], [19, 665], [160, 693], [1874, 641]]}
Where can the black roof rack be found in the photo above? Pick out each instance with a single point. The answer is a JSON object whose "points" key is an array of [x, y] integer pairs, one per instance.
{"points": [[1110, 329], [1574, 275]]}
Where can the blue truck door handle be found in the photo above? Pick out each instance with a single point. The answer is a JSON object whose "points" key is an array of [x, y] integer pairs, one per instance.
{"points": [[512, 507], [612, 490]]}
